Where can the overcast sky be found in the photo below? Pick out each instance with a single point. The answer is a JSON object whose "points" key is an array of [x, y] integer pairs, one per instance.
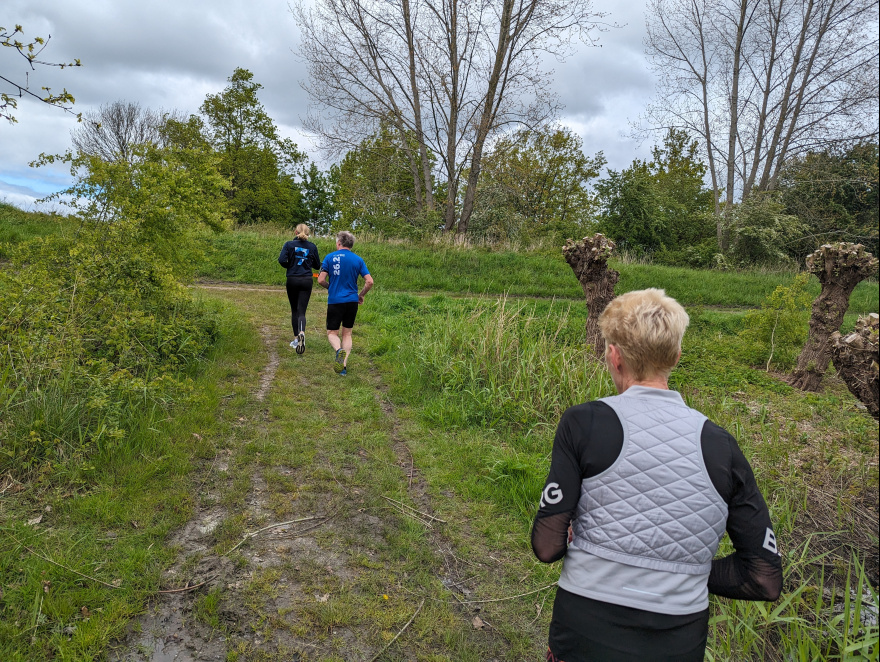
{"points": [[171, 53]]}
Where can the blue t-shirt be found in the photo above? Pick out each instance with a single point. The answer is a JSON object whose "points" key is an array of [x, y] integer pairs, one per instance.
{"points": [[343, 267]]}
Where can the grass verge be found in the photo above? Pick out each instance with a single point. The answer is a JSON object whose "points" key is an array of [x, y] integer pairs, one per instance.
{"points": [[82, 546]]}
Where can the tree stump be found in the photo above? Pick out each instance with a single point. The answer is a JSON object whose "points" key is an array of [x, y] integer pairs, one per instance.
{"points": [[839, 267], [856, 358], [589, 261]]}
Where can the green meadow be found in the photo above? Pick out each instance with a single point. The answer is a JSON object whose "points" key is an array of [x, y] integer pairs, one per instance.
{"points": [[465, 357]]}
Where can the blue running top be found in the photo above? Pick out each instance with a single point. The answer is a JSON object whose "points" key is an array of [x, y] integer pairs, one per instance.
{"points": [[343, 268]]}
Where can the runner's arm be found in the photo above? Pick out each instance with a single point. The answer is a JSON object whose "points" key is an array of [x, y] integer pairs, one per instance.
{"points": [[368, 285], [284, 258], [754, 570], [322, 279], [316, 257], [560, 497]]}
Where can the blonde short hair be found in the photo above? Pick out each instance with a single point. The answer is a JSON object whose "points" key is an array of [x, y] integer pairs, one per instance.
{"points": [[302, 232], [647, 327]]}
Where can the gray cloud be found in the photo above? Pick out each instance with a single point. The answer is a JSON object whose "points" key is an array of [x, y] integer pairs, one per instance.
{"points": [[171, 53]]}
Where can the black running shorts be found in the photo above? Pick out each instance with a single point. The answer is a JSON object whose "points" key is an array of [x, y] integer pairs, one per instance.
{"points": [[341, 313]]}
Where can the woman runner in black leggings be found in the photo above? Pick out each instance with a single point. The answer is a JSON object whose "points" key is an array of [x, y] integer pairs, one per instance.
{"points": [[299, 257]]}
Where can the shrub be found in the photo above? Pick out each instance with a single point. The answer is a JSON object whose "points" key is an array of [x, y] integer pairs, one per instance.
{"points": [[93, 335], [699, 256], [775, 333], [759, 231]]}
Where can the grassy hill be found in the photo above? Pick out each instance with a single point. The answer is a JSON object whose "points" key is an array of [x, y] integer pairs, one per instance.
{"points": [[250, 256]]}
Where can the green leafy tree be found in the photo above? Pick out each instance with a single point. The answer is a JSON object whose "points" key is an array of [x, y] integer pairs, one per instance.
{"points": [[834, 194], [260, 166], [154, 202], [375, 188], [536, 182], [318, 191], [685, 201], [662, 206], [30, 51], [631, 209]]}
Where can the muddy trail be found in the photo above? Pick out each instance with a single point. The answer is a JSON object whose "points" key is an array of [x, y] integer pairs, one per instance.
{"points": [[314, 536]]}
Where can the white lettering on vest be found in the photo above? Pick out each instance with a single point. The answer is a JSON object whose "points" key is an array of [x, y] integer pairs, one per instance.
{"points": [[552, 494], [770, 542]]}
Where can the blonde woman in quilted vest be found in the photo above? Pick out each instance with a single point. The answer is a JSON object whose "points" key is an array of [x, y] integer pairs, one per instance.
{"points": [[641, 489]]}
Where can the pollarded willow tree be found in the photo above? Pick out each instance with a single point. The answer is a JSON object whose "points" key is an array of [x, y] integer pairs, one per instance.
{"points": [[839, 268], [588, 258], [762, 81], [856, 357], [449, 73]]}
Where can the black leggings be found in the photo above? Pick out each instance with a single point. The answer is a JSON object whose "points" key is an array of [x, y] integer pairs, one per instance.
{"points": [[586, 630], [299, 291]]}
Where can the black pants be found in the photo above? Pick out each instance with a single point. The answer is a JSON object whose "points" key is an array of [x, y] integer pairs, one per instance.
{"points": [[299, 291], [585, 630]]}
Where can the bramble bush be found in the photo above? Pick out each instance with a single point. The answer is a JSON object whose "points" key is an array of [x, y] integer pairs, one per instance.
{"points": [[91, 338], [96, 328]]}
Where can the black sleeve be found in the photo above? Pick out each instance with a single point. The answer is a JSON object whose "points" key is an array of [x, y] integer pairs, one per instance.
{"points": [[588, 440], [316, 257], [754, 570], [284, 258]]}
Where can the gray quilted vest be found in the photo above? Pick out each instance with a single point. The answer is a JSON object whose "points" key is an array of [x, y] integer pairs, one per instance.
{"points": [[655, 507]]}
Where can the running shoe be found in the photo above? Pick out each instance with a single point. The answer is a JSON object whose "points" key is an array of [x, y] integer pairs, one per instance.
{"points": [[295, 344], [343, 372], [339, 366], [301, 343]]}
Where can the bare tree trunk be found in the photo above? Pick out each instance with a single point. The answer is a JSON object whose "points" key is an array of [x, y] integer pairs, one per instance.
{"points": [[589, 261], [856, 358], [417, 110], [839, 267], [487, 117], [774, 19]]}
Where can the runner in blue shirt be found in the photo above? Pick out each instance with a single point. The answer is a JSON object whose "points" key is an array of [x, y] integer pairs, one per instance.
{"points": [[339, 274]]}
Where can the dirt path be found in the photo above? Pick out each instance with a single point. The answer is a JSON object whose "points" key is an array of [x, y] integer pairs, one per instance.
{"points": [[239, 287], [313, 535]]}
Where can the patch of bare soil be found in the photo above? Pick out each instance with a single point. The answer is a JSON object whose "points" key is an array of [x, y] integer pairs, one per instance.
{"points": [[268, 374]]}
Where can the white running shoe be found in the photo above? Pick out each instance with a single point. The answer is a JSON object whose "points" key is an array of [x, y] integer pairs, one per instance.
{"points": [[295, 342]]}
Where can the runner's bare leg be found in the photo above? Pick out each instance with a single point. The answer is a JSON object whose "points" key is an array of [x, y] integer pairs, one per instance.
{"points": [[333, 337], [346, 344]]}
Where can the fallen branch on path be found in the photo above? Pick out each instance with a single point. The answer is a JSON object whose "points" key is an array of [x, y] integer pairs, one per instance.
{"points": [[403, 505], [408, 623], [512, 597], [188, 588], [248, 536]]}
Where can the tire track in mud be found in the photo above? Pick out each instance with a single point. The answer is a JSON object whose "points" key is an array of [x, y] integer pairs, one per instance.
{"points": [[458, 572]]}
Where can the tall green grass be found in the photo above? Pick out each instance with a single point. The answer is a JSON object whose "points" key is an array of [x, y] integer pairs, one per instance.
{"points": [[490, 379], [105, 515]]}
